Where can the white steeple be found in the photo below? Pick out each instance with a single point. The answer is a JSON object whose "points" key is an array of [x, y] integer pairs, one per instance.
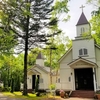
{"points": [[82, 26], [40, 59]]}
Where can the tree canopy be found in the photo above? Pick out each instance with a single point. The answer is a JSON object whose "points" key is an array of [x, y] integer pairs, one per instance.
{"points": [[26, 24], [95, 21]]}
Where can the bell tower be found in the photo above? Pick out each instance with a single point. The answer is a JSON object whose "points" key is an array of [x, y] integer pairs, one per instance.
{"points": [[82, 26], [40, 59]]}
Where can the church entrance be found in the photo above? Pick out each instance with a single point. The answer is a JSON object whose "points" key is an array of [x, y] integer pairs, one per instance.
{"points": [[84, 79], [35, 81]]}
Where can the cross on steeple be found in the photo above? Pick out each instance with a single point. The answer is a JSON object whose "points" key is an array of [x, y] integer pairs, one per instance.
{"points": [[82, 7]]}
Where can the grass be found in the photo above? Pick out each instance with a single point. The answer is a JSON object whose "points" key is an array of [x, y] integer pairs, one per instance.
{"points": [[30, 96]]}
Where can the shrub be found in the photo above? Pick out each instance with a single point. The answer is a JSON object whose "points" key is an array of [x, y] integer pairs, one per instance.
{"points": [[1, 88], [6, 89], [52, 87]]}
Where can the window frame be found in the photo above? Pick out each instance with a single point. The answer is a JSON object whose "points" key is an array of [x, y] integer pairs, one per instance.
{"points": [[83, 52]]}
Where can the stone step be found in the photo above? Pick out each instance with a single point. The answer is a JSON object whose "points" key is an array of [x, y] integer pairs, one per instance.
{"points": [[83, 94]]}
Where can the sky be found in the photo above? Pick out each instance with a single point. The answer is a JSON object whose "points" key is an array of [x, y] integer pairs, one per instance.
{"points": [[69, 27]]}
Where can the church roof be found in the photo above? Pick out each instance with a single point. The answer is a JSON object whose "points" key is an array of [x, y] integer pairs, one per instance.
{"points": [[82, 20], [43, 68], [40, 56]]}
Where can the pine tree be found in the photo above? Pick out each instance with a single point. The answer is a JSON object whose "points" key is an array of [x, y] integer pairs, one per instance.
{"points": [[29, 21]]}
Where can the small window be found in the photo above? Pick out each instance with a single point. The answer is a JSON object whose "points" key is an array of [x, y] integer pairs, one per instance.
{"points": [[58, 80], [83, 52], [82, 30], [80, 52]]}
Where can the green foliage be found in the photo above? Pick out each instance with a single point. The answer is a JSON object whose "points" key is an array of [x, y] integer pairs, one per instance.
{"points": [[11, 71], [61, 7], [32, 56], [96, 3], [23, 24], [5, 89], [52, 86], [95, 21], [37, 85], [61, 43]]}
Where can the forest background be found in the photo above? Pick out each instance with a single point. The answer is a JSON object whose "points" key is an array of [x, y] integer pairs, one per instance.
{"points": [[29, 27]]}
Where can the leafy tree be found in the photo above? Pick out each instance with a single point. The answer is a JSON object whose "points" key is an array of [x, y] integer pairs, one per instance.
{"points": [[55, 51], [95, 21], [11, 71], [32, 56], [27, 21]]}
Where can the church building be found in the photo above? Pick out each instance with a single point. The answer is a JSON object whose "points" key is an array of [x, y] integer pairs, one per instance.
{"points": [[80, 65]]}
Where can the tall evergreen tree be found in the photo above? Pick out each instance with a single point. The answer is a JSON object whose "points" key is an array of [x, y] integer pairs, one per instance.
{"points": [[28, 20]]}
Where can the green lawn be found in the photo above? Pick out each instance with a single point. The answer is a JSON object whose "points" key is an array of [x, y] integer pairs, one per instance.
{"points": [[19, 95], [29, 97]]}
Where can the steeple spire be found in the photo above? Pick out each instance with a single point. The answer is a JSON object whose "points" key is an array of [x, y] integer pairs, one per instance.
{"points": [[82, 20], [40, 59]]}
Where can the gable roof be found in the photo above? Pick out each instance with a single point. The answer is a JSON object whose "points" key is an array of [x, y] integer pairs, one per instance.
{"points": [[82, 20], [43, 68], [82, 59], [34, 71]]}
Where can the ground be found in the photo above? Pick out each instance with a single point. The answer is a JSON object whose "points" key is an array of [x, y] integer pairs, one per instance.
{"points": [[2, 97]]}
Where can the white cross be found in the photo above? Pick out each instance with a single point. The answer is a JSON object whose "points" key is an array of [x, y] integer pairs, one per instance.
{"points": [[82, 7]]}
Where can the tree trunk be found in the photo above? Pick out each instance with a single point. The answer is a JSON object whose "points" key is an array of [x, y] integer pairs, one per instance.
{"points": [[25, 65], [50, 67], [25, 57]]}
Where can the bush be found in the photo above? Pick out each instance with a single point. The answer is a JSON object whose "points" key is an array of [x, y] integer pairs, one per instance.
{"points": [[52, 87], [6, 89], [1, 88]]}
